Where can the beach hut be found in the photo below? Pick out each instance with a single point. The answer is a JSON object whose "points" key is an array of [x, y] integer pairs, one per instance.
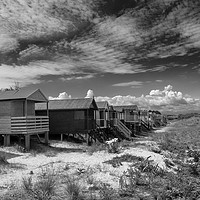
{"points": [[70, 116], [17, 115], [128, 115], [102, 115], [155, 118]]}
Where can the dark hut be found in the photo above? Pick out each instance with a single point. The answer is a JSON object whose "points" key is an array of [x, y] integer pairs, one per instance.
{"points": [[70, 116], [17, 115]]}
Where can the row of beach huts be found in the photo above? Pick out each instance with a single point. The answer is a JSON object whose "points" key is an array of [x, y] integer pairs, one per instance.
{"points": [[27, 114]]}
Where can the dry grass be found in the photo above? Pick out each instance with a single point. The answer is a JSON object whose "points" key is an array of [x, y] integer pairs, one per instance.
{"points": [[142, 180]]}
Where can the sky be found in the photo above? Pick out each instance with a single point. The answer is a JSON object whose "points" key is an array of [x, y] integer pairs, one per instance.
{"points": [[144, 52]]}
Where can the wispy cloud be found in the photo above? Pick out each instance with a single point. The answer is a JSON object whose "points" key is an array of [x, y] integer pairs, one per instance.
{"points": [[88, 76], [32, 73], [133, 84], [43, 36], [159, 81]]}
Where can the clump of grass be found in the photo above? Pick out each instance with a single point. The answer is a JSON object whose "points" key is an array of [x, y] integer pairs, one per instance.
{"points": [[3, 160], [43, 189], [96, 147], [73, 189], [16, 194], [106, 192]]}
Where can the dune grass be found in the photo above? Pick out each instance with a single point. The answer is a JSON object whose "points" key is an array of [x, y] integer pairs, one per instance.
{"points": [[142, 180]]}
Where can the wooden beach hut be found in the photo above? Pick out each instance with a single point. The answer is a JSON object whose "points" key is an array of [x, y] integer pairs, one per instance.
{"points": [[17, 115], [70, 116], [155, 118], [129, 116], [127, 113], [102, 115]]}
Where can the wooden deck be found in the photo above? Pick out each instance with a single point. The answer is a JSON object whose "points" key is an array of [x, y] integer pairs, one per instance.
{"points": [[24, 125]]}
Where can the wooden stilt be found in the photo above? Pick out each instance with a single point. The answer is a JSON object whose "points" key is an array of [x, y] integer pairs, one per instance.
{"points": [[47, 137], [61, 137], [27, 142], [20, 140], [87, 139], [6, 140]]}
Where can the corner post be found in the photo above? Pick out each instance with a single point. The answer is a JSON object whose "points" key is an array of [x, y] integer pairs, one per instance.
{"points": [[46, 137], [6, 140], [27, 142]]}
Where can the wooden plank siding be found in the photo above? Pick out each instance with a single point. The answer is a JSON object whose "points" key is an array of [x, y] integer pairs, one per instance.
{"points": [[69, 121], [5, 125], [24, 125]]}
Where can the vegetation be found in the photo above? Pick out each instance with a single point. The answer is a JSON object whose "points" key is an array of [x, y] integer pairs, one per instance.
{"points": [[142, 180]]}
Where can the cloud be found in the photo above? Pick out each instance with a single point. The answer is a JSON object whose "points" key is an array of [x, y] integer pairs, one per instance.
{"points": [[77, 77], [163, 100], [31, 74], [90, 94], [168, 88], [61, 96], [159, 81], [7, 43], [44, 35], [132, 84], [155, 93]]}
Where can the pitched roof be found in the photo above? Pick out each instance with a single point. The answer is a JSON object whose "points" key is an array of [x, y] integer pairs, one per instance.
{"points": [[69, 104], [125, 107], [102, 105], [34, 95]]}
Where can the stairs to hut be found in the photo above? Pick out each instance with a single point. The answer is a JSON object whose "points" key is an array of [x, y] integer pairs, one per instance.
{"points": [[119, 130], [145, 126], [98, 134], [122, 130]]}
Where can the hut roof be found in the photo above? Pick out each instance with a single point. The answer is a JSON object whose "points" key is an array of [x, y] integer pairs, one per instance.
{"points": [[23, 94], [102, 105], [69, 104], [125, 107]]}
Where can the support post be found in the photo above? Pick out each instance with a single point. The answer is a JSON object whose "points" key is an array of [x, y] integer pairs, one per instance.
{"points": [[87, 138], [6, 140], [47, 137], [61, 137], [26, 108], [27, 142]]}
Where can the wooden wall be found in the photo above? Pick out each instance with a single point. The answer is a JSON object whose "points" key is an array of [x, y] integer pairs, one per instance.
{"points": [[131, 116], [5, 108], [18, 108], [31, 108], [69, 121]]}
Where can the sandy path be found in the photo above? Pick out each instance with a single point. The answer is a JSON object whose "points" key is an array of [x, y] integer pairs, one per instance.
{"points": [[78, 160]]}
